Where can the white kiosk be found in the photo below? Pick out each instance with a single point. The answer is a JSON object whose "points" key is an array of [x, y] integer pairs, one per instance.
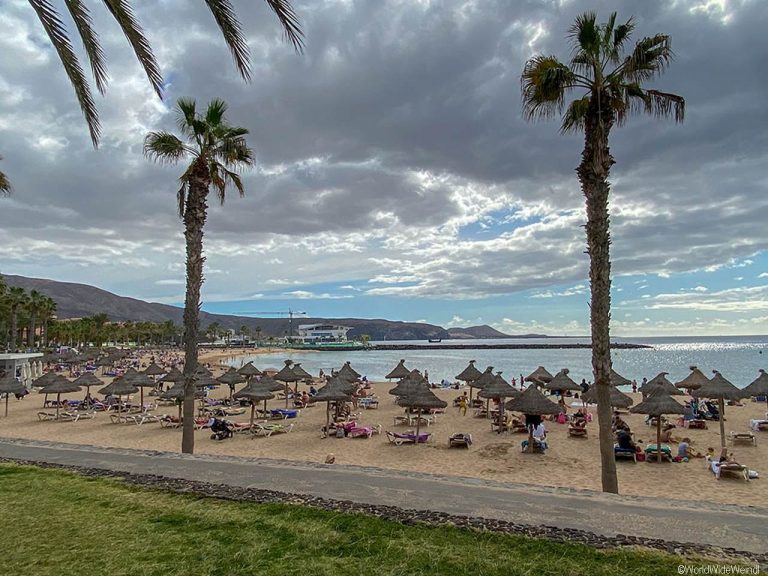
{"points": [[20, 366]]}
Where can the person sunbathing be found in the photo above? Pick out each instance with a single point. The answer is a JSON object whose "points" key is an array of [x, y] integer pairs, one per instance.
{"points": [[624, 440], [666, 435]]}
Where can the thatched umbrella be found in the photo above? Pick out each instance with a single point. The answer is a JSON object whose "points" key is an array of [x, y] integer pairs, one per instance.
{"points": [[499, 388], [561, 381], [119, 387], [398, 372], [140, 380], [539, 376], [301, 376], [469, 375], [177, 392], [59, 385], [422, 399], [758, 387], [347, 373], [154, 370], [619, 380], [255, 392], [532, 403], [405, 386], [88, 379], [249, 371], [175, 375], [335, 391], [618, 398], [660, 383], [287, 376], [231, 377], [720, 388], [202, 371], [694, 380], [44, 380], [656, 404], [9, 385]]}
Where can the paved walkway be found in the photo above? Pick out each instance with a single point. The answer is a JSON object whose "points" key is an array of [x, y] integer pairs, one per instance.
{"points": [[742, 528]]}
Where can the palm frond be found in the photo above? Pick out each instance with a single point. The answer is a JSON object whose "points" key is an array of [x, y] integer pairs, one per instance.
{"points": [[226, 18], [186, 112], [665, 104], [290, 22], [650, 58], [164, 147], [235, 152], [218, 181], [585, 34], [57, 34], [123, 13], [5, 188], [82, 18], [545, 81], [234, 177], [575, 114], [214, 114], [623, 33], [181, 197]]}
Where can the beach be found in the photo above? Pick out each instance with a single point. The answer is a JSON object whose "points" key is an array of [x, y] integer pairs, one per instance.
{"points": [[569, 462]]}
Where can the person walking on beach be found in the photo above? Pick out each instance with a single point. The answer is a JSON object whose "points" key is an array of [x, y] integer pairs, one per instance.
{"points": [[463, 404]]}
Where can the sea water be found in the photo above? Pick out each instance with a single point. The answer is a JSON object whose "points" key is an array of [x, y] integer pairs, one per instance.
{"points": [[737, 358]]}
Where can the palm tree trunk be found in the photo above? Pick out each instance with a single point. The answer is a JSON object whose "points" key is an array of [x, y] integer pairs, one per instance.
{"points": [[593, 175], [31, 335], [194, 221], [14, 328]]}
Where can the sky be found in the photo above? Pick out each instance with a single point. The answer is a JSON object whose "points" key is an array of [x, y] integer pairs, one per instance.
{"points": [[396, 176]]}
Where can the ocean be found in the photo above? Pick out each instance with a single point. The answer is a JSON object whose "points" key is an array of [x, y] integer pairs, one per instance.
{"points": [[738, 358]]}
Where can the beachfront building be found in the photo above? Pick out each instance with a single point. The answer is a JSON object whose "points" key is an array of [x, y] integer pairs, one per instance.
{"points": [[21, 366], [313, 333]]}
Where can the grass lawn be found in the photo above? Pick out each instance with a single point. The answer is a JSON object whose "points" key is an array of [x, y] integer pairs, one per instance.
{"points": [[59, 523]]}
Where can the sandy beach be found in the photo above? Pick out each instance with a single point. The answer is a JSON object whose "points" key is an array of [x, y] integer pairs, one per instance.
{"points": [[569, 462]]}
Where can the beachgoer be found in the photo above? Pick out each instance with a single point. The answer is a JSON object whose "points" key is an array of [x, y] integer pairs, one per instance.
{"points": [[634, 386], [540, 435], [683, 450], [584, 386], [463, 405], [624, 440], [666, 433]]}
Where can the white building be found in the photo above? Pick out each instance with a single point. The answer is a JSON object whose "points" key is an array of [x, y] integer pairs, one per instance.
{"points": [[19, 366], [311, 333]]}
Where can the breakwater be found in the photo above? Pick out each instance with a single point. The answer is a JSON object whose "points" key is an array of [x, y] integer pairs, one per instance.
{"points": [[538, 346]]}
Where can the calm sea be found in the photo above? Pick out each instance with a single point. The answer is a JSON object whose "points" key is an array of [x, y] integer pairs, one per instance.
{"points": [[738, 358]]}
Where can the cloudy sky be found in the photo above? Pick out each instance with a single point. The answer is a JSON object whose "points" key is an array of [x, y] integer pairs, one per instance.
{"points": [[396, 176]]}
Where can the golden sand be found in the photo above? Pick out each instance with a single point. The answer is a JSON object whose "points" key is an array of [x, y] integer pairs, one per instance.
{"points": [[569, 462]]}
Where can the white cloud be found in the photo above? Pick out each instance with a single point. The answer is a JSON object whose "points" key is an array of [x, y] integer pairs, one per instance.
{"points": [[306, 295]]}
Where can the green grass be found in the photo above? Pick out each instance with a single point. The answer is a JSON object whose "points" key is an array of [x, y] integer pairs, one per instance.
{"points": [[58, 523]]}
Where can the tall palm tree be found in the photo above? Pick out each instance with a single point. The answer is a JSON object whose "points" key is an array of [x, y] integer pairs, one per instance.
{"points": [[5, 184], [610, 87], [121, 10], [47, 311], [34, 306], [216, 150], [17, 299]]}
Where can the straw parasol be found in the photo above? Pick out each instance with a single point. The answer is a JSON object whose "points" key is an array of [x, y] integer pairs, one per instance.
{"points": [[498, 388], [119, 387], [470, 375], [154, 370], [59, 385], [9, 385], [231, 377], [720, 388], [618, 398], [531, 402], [694, 380], [660, 382], [177, 392], [140, 380], [539, 376], [656, 404], [398, 372], [348, 373], [619, 380], [249, 371], [286, 375], [174, 376], [405, 386], [255, 392], [422, 398], [44, 380], [758, 387], [335, 391], [88, 379], [561, 381], [301, 374]]}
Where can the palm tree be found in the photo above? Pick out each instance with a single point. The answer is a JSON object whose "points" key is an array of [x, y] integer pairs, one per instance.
{"points": [[223, 13], [35, 306], [611, 88], [5, 184], [46, 314], [215, 150], [17, 299]]}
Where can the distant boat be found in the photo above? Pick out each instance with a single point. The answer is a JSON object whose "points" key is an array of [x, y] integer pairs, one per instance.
{"points": [[435, 340]]}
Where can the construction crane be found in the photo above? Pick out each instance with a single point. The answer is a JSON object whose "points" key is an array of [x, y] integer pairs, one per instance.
{"points": [[290, 313]]}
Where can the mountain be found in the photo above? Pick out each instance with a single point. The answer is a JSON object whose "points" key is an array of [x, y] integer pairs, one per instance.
{"points": [[81, 300], [484, 331]]}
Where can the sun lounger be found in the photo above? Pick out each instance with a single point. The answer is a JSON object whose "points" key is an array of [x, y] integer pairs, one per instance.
{"points": [[368, 403], [651, 453], [267, 429], [624, 453], [743, 437], [45, 416], [364, 431], [124, 418], [240, 427], [759, 425], [577, 431], [167, 421], [402, 421], [283, 413], [399, 439], [694, 423], [460, 440], [727, 468]]}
